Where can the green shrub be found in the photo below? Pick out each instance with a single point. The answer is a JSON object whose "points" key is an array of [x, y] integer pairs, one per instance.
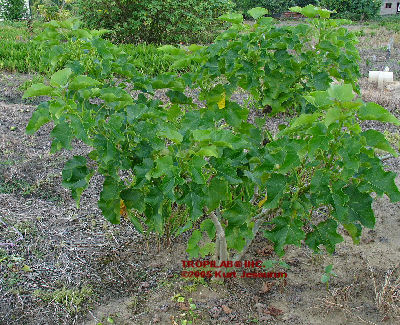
{"points": [[275, 7], [19, 56], [81, 55], [20, 53], [303, 3], [353, 9], [277, 64], [17, 51], [155, 21], [13, 9], [147, 59], [390, 22], [47, 10], [208, 160]]}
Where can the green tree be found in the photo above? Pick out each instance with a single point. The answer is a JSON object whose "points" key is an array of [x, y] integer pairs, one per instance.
{"points": [[207, 160], [13, 9], [274, 7], [155, 21], [303, 3], [353, 9]]}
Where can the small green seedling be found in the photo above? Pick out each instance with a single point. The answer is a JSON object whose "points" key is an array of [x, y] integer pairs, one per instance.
{"points": [[326, 277], [270, 264], [191, 311]]}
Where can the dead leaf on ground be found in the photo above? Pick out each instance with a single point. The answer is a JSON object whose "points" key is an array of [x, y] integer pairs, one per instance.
{"points": [[183, 306], [273, 311], [226, 309], [266, 251], [266, 287]]}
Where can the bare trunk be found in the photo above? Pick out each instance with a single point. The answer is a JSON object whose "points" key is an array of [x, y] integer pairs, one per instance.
{"points": [[221, 247], [256, 228]]}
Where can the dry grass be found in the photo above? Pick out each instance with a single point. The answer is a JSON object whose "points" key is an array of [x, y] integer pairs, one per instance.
{"points": [[341, 299], [387, 295]]}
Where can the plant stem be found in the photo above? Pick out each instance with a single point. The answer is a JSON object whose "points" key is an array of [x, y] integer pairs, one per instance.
{"points": [[256, 228], [222, 252]]}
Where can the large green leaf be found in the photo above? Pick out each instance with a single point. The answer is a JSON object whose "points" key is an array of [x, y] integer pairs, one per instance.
{"points": [[154, 208], [320, 191], [178, 97], [135, 111], [257, 12], [275, 187], [373, 111], [195, 169], [377, 140], [382, 181], [133, 199], [62, 136], [39, 89], [110, 202], [324, 234], [303, 120], [209, 227], [342, 93], [350, 151], [319, 98], [164, 166], [354, 230], [115, 96], [225, 170], [319, 141], [238, 213], [207, 249], [208, 151], [60, 78], [359, 205], [194, 199], [232, 18], [39, 118], [193, 244], [57, 108], [82, 82], [340, 202], [234, 114], [202, 135], [235, 238], [287, 231], [171, 134], [76, 176], [332, 115], [310, 11], [217, 192], [170, 49]]}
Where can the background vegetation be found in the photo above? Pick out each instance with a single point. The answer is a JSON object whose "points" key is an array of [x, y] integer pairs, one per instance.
{"points": [[353, 9], [155, 21], [12, 9], [20, 53], [275, 7]]}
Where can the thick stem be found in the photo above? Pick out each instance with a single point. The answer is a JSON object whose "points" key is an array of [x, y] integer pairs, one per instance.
{"points": [[256, 228], [255, 196], [217, 245], [222, 246]]}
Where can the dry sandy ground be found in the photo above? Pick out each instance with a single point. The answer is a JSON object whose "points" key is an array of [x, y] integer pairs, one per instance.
{"points": [[63, 265]]}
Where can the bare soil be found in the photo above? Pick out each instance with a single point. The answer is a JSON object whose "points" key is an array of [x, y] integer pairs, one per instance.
{"points": [[64, 265]]}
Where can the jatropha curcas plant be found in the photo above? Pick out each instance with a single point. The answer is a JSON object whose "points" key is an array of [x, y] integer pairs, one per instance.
{"points": [[207, 161]]}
